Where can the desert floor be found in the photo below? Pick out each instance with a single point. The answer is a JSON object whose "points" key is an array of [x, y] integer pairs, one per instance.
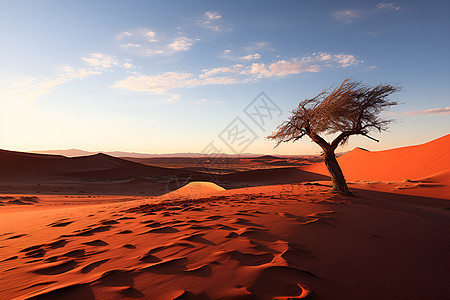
{"points": [[294, 241], [102, 227]]}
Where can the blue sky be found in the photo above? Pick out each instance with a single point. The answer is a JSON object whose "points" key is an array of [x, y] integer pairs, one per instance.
{"points": [[173, 76]]}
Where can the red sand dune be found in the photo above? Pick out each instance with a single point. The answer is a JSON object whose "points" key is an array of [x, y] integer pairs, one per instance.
{"points": [[272, 242], [412, 162], [292, 241]]}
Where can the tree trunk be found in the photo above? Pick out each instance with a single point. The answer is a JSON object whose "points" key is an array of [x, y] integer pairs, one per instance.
{"points": [[339, 184]]}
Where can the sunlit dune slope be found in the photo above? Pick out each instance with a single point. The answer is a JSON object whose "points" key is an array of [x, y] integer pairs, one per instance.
{"points": [[196, 189], [412, 162]]}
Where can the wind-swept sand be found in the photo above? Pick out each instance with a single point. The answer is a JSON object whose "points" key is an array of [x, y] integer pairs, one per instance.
{"points": [[294, 241], [279, 240]]}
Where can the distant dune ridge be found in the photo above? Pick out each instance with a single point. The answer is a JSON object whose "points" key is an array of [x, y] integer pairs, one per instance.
{"points": [[101, 173]]}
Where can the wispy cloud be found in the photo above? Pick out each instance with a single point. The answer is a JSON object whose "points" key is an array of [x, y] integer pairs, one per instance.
{"points": [[252, 56], [212, 20], [201, 101], [97, 63], [228, 54], [352, 15], [348, 15], [235, 74], [258, 46], [249, 52], [444, 111], [387, 6], [146, 42]]}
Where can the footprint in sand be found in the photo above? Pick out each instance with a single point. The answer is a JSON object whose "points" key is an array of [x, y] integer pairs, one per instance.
{"points": [[51, 259], [126, 218], [74, 253], [202, 271], [200, 227], [15, 236], [198, 238], [232, 235], [61, 223], [96, 243], [169, 267], [57, 244], [165, 229], [153, 224], [215, 217], [149, 258], [88, 232], [76, 291], [11, 258], [57, 269], [131, 292], [92, 266], [35, 253], [32, 248], [117, 278], [246, 222], [109, 222], [248, 259]]}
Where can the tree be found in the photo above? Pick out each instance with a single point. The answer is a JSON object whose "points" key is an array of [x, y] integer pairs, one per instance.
{"points": [[352, 108]]}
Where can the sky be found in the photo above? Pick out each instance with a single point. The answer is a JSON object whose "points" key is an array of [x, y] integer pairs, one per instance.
{"points": [[212, 76]]}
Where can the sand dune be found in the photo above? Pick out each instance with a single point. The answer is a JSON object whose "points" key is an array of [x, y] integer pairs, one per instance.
{"points": [[412, 162], [421, 170], [104, 174], [195, 189]]}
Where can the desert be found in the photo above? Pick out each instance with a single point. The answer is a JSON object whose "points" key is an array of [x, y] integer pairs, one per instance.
{"points": [[290, 240], [224, 150]]}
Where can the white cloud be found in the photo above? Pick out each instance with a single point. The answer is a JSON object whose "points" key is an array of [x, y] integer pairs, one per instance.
{"points": [[387, 6], [150, 36], [235, 74], [146, 42], [232, 69], [348, 15], [212, 15], [210, 20], [155, 83], [181, 44], [351, 15], [101, 60], [252, 56], [127, 65], [265, 46], [445, 111]]}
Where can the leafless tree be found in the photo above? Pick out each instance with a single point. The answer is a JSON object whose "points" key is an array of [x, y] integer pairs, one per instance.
{"points": [[350, 109]]}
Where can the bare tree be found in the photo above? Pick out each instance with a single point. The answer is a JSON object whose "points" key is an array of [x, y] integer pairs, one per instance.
{"points": [[351, 108]]}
